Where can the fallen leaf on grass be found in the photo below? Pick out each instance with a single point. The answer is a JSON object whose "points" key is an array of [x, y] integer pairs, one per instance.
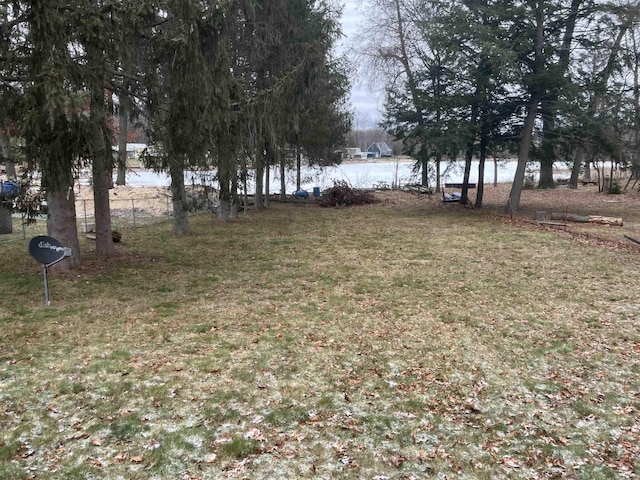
{"points": [[511, 462], [120, 457], [94, 462]]}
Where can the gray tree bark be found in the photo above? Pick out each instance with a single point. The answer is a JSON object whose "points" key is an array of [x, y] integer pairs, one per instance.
{"points": [[62, 225], [179, 201], [7, 157]]}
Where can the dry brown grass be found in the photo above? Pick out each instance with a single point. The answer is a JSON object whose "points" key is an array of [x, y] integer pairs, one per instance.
{"points": [[407, 339]]}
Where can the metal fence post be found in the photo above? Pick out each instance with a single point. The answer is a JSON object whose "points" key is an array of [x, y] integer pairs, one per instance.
{"points": [[133, 212]]}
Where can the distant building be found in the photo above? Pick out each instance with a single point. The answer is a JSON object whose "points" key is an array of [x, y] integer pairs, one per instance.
{"points": [[380, 149], [354, 154]]}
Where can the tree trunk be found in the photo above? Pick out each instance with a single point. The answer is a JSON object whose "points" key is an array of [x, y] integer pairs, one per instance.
{"points": [[7, 157], [464, 197], [549, 109], [61, 225], [298, 165], [235, 200], [484, 141], [224, 210], [532, 111], [102, 210], [101, 154], [267, 174], [424, 169], [547, 150], [577, 163], [283, 180], [180, 213], [258, 197], [123, 124], [523, 156]]}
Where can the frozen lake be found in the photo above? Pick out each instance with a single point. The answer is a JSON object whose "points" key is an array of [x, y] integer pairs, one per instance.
{"points": [[358, 175]]}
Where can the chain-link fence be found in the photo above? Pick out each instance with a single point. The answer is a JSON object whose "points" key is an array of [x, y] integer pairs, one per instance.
{"points": [[125, 213]]}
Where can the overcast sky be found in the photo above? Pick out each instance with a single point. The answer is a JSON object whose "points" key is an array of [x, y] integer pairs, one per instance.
{"points": [[365, 102]]}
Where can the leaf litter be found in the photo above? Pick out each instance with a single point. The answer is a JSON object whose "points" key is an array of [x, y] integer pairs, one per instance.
{"points": [[385, 350]]}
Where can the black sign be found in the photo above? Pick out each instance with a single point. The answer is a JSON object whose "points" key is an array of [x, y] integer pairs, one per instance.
{"points": [[47, 250]]}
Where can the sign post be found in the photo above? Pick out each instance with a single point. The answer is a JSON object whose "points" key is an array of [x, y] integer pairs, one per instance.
{"points": [[47, 251]]}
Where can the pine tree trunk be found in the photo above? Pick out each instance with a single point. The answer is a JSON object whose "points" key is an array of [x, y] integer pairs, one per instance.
{"points": [[235, 199], [102, 210], [7, 158], [178, 193], [267, 173], [122, 141], [224, 195], [62, 225], [577, 164], [464, 198], [484, 140], [258, 197], [424, 168], [523, 156], [532, 111], [224, 210], [298, 165], [283, 180], [102, 173], [547, 157]]}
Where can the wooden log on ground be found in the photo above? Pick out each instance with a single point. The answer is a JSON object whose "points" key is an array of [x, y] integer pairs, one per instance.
{"points": [[573, 217], [615, 221], [599, 219]]}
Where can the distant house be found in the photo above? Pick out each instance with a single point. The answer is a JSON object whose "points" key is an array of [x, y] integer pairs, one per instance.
{"points": [[354, 153], [380, 149]]}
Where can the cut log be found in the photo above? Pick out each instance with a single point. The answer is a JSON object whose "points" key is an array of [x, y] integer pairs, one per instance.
{"points": [[569, 216], [615, 221]]}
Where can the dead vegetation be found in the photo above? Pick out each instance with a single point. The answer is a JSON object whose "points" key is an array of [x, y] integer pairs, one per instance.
{"points": [[403, 339]]}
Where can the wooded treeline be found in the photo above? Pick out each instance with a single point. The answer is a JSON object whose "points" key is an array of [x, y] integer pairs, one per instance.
{"points": [[549, 80], [238, 85]]}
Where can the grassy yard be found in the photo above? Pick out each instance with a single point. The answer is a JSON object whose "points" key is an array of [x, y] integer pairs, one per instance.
{"points": [[381, 342]]}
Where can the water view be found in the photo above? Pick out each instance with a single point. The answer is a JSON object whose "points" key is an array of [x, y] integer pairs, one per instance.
{"points": [[357, 174]]}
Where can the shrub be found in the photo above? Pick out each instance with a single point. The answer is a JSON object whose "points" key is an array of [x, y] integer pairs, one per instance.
{"points": [[341, 194], [614, 188]]}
